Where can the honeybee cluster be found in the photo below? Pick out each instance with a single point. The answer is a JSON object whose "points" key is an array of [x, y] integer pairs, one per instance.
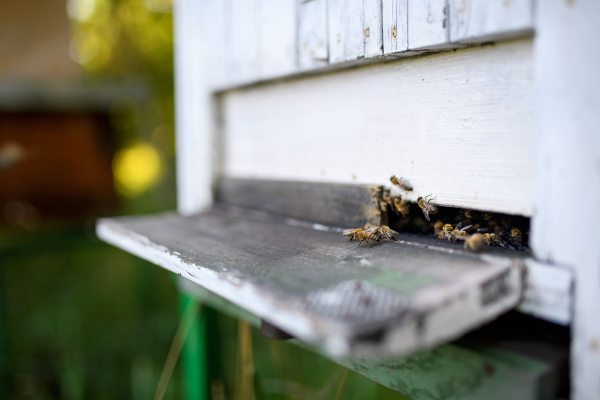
{"points": [[478, 236], [370, 233]]}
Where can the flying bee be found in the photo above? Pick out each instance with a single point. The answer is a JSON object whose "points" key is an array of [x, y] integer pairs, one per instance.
{"points": [[427, 207], [400, 206], [401, 183], [386, 199], [437, 227], [475, 242]]}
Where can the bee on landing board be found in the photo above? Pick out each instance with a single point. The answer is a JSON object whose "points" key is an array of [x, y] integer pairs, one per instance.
{"points": [[427, 207], [370, 233], [401, 183], [475, 242]]}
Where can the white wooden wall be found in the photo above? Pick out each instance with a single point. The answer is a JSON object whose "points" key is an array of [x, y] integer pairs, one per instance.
{"points": [[567, 161], [458, 125], [273, 39]]}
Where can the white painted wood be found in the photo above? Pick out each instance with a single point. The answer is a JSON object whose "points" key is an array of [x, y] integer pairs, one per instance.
{"points": [[567, 194], [548, 292], [457, 125], [215, 42], [193, 111], [478, 20], [312, 34], [428, 24], [278, 37], [395, 26], [345, 25], [245, 40], [466, 294], [373, 26]]}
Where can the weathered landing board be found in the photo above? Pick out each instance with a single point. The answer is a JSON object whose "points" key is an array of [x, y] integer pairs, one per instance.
{"points": [[390, 299], [459, 370]]}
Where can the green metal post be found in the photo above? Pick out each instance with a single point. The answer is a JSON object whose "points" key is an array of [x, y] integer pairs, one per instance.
{"points": [[193, 354]]}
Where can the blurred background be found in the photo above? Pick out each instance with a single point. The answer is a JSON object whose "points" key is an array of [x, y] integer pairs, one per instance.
{"points": [[87, 130]]}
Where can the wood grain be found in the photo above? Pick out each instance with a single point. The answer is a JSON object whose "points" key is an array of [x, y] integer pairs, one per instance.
{"points": [[428, 24], [344, 206], [373, 24], [457, 125], [479, 20], [395, 26], [345, 25], [313, 284]]}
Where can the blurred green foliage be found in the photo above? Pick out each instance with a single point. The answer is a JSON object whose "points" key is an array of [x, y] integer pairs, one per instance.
{"points": [[84, 320]]}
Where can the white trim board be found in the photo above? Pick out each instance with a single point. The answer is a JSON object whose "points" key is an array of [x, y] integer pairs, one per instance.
{"points": [[458, 125]]}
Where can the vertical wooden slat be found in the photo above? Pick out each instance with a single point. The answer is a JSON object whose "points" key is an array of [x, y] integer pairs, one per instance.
{"points": [[473, 20], [215, 42], [346, 36], [427, 24], [245, 40], [567, 162], [278, 37], [395, 26], [312, 33], [193, 110], [372, 28]]}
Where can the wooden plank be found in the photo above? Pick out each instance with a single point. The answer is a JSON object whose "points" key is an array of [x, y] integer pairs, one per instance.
{"points": [[193, 111], [433, 120], [344, 206], [394, 298], [373, 28], [278, 37], [312, 34], [245, 40], [480, 20], [346, 35], [447, 371], [428, 24], [215, 42], [567, 152], [395, 26], [548, 292]]}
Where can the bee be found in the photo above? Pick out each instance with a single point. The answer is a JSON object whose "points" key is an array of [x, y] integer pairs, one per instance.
{"points": [[386, 233], [516, 236], [487, 216], [492, 238], [401, 183], [386, 199], [357, 234], [446, 232], [374, 235], [475, 242], [400, 206], [437, 227], [469, 214], [427, 208], [459, 232]]}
